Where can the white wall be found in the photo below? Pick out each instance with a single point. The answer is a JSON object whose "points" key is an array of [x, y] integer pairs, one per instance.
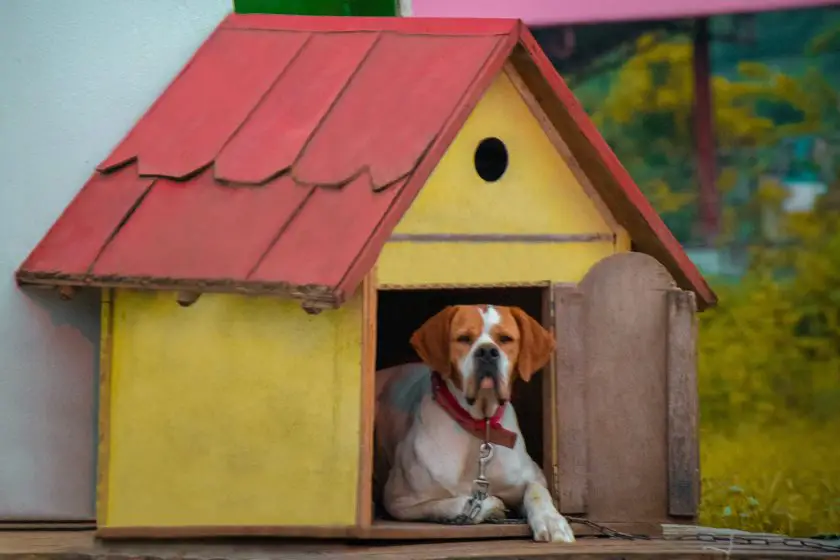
{"points": [[74, 76]]}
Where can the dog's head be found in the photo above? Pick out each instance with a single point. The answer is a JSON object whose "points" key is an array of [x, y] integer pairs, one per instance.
{"points": [[481, 349]]}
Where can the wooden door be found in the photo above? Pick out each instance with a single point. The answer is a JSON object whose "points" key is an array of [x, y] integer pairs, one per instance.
{"points": [[626, 401]]}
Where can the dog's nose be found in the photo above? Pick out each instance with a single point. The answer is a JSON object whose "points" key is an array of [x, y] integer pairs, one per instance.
{"points": [[487, 354]]}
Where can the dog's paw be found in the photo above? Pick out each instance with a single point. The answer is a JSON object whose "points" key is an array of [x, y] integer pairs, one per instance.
{"points": [[492, 509], [551, 527]]}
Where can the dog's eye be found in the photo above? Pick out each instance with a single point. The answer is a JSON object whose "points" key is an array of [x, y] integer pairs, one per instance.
{"points": [[464, 338], [505, 339]]}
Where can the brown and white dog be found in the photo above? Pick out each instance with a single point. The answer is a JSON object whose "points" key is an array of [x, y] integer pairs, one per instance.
{"points": [[430, 421]]}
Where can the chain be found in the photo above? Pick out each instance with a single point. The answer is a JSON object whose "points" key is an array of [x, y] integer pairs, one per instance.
{"points": [[605, 531], [747, 539], [481, 486], [481, 489]]}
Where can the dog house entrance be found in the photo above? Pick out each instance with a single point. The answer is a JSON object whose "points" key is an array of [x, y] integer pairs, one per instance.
{"points": [[399, 314]]}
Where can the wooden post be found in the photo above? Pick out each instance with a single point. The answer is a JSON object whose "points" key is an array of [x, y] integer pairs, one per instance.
{"points": [[683, 452], [704, 134], [570, 384]]}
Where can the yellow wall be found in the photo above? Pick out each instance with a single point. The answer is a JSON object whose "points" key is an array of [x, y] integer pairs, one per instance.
{"points": [[234, 411], [417, 264], [538, 194]]}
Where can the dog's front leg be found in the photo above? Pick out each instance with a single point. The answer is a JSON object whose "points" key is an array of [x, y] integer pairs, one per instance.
{"points": [[445, 509], [546, 522]]}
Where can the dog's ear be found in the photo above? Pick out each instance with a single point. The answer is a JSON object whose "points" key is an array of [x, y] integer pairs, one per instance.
{"points": [[535, 344], [431, 341]]}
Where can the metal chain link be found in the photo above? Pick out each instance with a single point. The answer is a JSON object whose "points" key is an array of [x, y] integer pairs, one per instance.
{"points": [[481, 486], [481, 490], [734, 539], [746, 539]]}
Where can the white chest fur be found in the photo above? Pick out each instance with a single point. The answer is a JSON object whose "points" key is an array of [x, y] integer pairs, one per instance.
{"points": [[449, 455]]}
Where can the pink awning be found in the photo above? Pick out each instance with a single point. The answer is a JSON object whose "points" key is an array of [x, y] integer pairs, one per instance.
{"points": [[548, 12]]}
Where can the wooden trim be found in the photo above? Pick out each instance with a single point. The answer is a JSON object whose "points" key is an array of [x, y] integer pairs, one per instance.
{"points": [[314, 296], [457, 286], [106, 348], [549, 401], [401, 530], [379, 530], [364, 497], [572, 451], [52, 525], [221, 531], [683, 452], [502, 237], [560, 145]]}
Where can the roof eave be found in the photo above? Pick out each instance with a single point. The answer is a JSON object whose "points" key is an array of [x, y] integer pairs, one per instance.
{"points": [[313, 298]]}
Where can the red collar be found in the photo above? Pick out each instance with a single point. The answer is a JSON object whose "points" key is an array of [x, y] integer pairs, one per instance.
{"points": [[447, 401]]}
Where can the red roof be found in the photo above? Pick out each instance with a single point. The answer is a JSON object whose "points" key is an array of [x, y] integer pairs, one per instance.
{"points": [[283, 155]]}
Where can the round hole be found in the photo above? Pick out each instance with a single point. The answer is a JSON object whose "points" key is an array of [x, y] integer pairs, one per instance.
{"points": [[491, 159]]}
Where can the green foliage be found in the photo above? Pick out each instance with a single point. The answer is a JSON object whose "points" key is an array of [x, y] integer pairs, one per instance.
{"points": [[782, 479], [647, 117], [769, 380], [772, 346]]}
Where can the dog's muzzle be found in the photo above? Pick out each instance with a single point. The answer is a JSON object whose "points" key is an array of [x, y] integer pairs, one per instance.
{"points": [[486, 361]]}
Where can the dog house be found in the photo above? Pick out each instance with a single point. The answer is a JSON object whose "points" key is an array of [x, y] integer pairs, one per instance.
{"points": [[303, 195]]}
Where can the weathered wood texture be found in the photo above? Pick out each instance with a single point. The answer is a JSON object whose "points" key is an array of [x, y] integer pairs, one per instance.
{"points": [[570, 390], [683, 443], [548, 399], [82, 546], [626, 390]]}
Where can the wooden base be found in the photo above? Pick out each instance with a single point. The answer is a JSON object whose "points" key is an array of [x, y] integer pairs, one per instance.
{"points": [[75, 525], [81, 545], [379, 530]]}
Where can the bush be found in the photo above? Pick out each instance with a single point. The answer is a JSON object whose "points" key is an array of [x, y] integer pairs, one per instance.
{"points": [[769, 376]]}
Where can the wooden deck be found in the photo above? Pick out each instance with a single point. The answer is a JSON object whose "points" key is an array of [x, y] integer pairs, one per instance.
{"points": [[81, 545]]}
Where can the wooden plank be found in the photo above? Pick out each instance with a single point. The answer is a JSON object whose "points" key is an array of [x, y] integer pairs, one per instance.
{"points": [[549, 401], [38, 526], [81, 545], [626, 388], [393, 109], [104, 422], [502, 237], [222, 531], [364, 499], [400, 530], [570, 396], [683, 440], [321, 297]]}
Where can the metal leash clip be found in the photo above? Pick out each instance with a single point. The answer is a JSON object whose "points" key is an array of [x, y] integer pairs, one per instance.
{"points": [[481, 486]]}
